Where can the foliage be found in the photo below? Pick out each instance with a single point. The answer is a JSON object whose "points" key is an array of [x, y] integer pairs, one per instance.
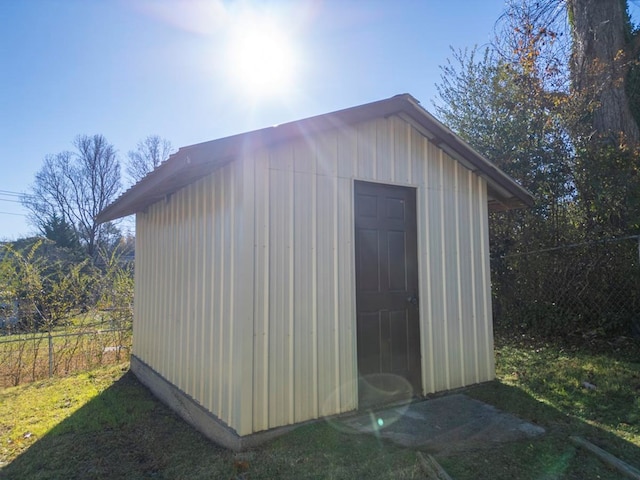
{"points": [[61, 232], [504, 112], [516, 105], [69, 300], [21, 281], [48, 290], [52, 287], [597, 47], [608, 186], [116, 287], [581, 293]]}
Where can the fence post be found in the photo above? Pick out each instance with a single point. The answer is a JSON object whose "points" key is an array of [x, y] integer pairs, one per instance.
{"points": [[50, 354]]}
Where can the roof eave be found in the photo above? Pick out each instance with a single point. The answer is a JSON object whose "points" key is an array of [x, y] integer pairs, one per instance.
{"points": [[195, 161], [511, 194]]}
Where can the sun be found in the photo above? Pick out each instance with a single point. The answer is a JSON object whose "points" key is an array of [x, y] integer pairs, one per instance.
{"points": [[262, 58]]}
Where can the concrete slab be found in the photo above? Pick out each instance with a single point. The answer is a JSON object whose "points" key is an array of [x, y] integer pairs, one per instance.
{"points": [[443, 425]]}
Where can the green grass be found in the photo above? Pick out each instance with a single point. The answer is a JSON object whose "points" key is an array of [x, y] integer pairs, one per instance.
{"points": [[544, 384], [104, 424], [557, 377]]}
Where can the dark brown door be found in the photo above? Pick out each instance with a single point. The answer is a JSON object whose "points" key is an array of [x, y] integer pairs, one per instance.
{"points": [[387, 301]]}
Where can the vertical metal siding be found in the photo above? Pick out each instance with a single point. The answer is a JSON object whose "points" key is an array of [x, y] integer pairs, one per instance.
{"points": [[438, 274], [487, 357], [280, 288], [423, 173], [245, 282], [328, 347], [244, 300], [261, 275], [187, 315], [307, 367], [450, 255], [305, 395], [304, 325], [140, 284], [211, 268], [466, 297]]}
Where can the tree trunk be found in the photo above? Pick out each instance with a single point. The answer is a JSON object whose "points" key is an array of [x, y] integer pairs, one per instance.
{"points": [[600, 62]]}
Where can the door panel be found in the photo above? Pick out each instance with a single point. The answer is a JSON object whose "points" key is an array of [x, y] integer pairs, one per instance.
{"points": [[386, 285]]}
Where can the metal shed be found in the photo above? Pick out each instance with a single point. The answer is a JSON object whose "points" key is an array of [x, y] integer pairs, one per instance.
{"points": [[314, 268]]}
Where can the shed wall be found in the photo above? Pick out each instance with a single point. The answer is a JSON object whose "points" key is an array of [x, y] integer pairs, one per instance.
{"points": [[245, 283], [187, 268], [305, 359]]}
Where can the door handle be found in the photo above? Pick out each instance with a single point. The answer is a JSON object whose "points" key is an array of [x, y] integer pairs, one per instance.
{"points": [[413, 300]]}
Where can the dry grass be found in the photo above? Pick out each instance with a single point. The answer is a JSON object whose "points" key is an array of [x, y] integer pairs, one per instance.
{"points": [[27, 358]]}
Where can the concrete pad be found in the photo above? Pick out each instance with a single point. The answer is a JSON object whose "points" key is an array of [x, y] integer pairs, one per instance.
{"points": [[446, 424]]}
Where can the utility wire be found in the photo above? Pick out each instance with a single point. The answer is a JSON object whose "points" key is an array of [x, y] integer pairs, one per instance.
{"points": [[16, 214], [11, 193]]}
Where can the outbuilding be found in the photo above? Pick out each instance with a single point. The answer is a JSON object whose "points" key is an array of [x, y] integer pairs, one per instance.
{"points": [[314, 268]]}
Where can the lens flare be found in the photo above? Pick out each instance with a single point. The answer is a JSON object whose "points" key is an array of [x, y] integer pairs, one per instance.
{"points": [[261, 56]]}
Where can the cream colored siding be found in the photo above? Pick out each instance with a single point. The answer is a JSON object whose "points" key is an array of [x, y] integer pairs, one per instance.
{"points": [[261, 295], [309, 295], [185, 291], [245, 282]]}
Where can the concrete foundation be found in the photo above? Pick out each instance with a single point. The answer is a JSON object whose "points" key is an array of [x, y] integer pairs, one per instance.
{"points": [[195, 414]]}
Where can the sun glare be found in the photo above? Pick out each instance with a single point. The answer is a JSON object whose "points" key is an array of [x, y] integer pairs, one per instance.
{"points": [[261, 58]]}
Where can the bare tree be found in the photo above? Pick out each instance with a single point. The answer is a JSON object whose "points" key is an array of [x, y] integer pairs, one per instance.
{"points": [[74, 187], [149, 153]]}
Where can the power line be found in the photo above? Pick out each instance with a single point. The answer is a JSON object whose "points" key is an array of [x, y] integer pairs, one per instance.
{"points": [[10, 192], [16, 214], [9, 200]]}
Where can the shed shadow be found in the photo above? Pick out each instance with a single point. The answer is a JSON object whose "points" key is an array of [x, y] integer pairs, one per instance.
{"points": [[124, 432]]}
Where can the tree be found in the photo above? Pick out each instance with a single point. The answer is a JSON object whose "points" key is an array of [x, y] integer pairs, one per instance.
{"points": [[604, 49], [149, 153], [518, 105], [600, 48], [61, 232], [75, 187], [502, 109]]}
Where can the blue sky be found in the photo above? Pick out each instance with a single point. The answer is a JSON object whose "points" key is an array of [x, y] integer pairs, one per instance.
{"points": [[127, 69]]}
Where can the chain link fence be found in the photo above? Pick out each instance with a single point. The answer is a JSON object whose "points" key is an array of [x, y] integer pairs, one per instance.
{"points": [[582, 290]]}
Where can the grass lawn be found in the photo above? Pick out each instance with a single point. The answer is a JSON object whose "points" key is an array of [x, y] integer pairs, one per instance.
{"points": [[104, 424]]}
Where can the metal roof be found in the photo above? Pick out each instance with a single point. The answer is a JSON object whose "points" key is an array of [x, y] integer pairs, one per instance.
{"points": [[193, 162]]}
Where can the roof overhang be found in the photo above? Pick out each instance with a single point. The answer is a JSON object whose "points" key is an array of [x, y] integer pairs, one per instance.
{"points": [[191, 163]]}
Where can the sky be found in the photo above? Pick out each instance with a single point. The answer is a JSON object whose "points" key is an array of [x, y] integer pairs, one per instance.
{"points": [[186, 70]]}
